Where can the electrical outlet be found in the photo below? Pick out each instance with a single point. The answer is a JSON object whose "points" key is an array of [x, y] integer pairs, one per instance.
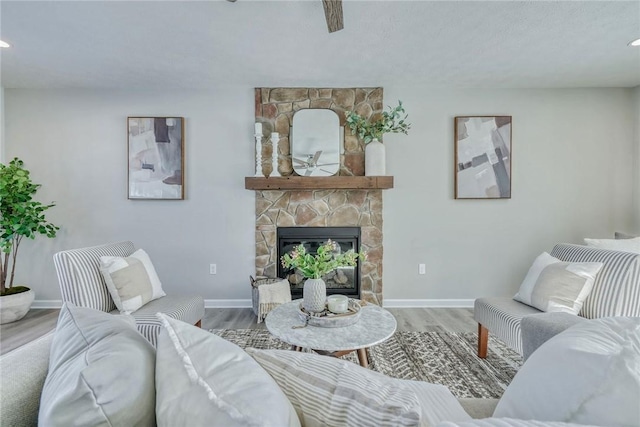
{"points": [[422, 269], [213, 269]]}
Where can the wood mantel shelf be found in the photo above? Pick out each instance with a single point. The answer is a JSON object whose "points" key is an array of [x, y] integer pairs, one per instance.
{"points": [[295, 182]]}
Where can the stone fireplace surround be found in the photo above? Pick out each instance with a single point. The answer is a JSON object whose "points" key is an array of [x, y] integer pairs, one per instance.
{"points": [[274, 108], [323, 208]]}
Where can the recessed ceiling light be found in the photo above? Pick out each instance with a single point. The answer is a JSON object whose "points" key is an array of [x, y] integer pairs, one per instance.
{"points": [[635, 42], [4, 44]]}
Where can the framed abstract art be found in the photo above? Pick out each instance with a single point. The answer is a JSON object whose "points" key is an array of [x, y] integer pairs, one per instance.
{"points": [[156, 158], [483, 157]]}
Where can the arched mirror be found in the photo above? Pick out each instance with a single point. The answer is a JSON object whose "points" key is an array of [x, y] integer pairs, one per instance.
{"points": [[315, 142]]}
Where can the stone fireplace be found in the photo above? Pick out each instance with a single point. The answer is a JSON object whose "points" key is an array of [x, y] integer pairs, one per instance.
{"points": [[346, 200], [322, 208]]}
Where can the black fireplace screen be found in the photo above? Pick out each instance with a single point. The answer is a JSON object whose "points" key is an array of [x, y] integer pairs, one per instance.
{"points": [[344, 280]]}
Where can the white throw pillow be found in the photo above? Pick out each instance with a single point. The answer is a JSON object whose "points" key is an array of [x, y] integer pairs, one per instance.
{"points": [[331, 392], [101, 372], [624, 245], [588, 374], [132, 281], [553, 285], [204, 380]]}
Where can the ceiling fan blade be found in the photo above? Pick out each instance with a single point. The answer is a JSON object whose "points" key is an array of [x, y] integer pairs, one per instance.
{"points": [[328, 164], [309, 172], [329, 172], [299, 161], [315, 158], [333, 15]]}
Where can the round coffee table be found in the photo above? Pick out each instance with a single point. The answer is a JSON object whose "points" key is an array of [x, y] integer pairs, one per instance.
{"points": [[374, 326]]}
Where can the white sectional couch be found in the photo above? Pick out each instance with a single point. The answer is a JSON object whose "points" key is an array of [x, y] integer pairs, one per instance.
{"points": [[617, 342]]}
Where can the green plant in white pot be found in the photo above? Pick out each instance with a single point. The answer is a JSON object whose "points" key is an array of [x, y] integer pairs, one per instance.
{"points": [[327, 258], [371, 132], [20, 217]]}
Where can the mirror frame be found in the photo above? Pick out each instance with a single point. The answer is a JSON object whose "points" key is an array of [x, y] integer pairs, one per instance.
{"points": [[315, 142]]}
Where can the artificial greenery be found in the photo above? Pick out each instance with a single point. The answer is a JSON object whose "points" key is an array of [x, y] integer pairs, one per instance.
{"points": [[326, 259], [391, 121], [20, 217]]}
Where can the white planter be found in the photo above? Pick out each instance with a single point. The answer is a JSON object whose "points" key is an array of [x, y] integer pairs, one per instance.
{"points": [[15, 307], [314, 295], [374, 159]]}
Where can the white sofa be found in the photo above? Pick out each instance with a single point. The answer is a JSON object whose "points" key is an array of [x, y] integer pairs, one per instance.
{"points": [[23, 372]]}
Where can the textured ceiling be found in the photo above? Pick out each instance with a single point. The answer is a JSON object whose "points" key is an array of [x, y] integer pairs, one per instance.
{"points": [[200, 44]]}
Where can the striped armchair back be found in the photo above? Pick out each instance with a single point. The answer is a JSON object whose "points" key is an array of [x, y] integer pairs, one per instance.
{"points": [[616, 291], [79, 274]]}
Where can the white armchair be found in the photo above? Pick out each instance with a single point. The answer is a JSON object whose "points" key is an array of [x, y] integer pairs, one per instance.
{"points": [[616, 292], [82, 284]]}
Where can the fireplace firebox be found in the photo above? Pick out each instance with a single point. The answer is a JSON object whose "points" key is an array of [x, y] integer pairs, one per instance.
{"points": [[344, 280]]}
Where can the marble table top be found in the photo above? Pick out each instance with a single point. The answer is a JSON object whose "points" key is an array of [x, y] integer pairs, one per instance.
{"points": [[375, 326]]}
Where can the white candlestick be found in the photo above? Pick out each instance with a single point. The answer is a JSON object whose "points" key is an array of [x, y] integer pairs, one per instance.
{"points": [[275, 137], [258, 137], [259, 128]]}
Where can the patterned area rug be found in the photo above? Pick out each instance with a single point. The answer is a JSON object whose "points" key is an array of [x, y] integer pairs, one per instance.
{"points": [[436, 357]]}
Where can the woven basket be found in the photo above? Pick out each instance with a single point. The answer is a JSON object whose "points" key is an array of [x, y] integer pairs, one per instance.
{"points": [[259, 280]]}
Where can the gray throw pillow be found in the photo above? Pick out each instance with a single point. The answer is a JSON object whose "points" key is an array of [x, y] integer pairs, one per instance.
{"points": [[620, 236], [101, 372]]}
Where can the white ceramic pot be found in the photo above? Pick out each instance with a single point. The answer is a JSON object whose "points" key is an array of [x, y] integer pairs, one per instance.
{"points": [[375, 159], [15, 307], [314, 295]]}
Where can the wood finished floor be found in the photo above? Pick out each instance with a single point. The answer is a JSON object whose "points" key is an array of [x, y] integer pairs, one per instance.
{"points": [[38, 322]]}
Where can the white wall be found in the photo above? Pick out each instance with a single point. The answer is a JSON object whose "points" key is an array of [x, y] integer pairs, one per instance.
{"points": [[1, 124], [572, 177], [75, 144], [636, 179]]}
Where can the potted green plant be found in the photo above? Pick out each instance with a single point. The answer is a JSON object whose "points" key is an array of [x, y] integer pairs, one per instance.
{"points": [[20, 217], [313, 267], [371, 132]]}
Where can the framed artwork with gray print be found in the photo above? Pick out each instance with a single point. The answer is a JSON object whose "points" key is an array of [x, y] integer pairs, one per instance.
{"points": [[156, 158], [483, 157]]}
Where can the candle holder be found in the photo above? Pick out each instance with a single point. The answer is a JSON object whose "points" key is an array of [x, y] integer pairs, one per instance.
{"points": [[258, 137], [275, 138], [338, 304]]}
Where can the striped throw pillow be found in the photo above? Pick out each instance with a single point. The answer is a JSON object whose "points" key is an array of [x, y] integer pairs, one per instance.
{"points": [[330, 392]]}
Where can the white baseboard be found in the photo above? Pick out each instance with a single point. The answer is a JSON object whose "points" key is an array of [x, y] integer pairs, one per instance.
{"points": [[430, 303], [246, 303], [44, 303]]}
